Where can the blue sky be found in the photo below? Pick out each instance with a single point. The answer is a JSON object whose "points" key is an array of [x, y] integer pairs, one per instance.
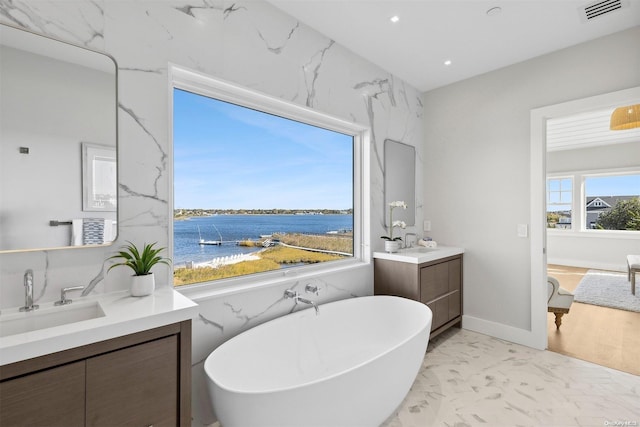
{"points": [[231, 157], [622, 185]]}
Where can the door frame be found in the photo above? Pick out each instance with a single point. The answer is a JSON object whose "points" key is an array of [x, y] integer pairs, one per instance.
{"points": [[539, 117]]}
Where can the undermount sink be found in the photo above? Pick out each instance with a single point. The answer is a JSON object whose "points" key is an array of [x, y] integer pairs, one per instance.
{"points": [[48, 317]]}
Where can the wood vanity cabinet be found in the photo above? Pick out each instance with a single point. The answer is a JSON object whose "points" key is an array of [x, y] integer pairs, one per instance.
{"points": [[141, 379], [438, 284], [46, 398]]}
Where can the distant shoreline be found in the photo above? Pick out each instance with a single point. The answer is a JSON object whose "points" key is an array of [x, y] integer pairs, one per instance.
{"points": [[185, 214], [290, 250]]}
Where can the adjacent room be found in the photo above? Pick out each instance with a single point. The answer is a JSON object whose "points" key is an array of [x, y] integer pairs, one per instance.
{"points": [[319, 213], [593, 186]]}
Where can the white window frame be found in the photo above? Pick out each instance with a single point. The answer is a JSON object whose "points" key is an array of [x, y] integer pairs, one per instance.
{"points": [[579, 206], [573, 192], [195, 82]]}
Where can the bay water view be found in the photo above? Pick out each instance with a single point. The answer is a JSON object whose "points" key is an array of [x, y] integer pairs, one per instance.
{"points": [[232, 228]]}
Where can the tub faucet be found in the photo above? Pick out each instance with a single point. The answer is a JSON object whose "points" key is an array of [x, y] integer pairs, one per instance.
{"points": [[312, 289], [297, 298], [28, 292]]}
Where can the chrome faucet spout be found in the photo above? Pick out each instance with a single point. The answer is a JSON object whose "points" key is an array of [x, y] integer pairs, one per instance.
{"points": [[28, 292], [309, 302], [297, 298], [409, 243]]}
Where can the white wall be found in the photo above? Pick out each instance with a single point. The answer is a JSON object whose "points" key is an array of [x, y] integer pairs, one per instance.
{"points": [[249, 43], [477, 166], [625, 155], [592, 249], [45, 106]]}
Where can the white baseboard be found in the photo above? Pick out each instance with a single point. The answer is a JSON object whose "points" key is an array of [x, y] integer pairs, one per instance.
{"points": [[505, 332], [587, 264]]}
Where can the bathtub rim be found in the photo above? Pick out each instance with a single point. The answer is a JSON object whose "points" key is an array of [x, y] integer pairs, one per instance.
{"points": [[328, 377]]}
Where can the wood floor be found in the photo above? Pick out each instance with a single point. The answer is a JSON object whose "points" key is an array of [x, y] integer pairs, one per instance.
{"points": [[597, 334]]}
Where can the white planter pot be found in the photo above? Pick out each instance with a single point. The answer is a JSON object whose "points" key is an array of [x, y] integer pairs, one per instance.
{"points": [[142, 285], [391, 246]]}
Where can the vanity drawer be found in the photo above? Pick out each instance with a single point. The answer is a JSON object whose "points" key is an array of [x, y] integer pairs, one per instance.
{"points": [[434, 281], [134, 386], [53, 397]]}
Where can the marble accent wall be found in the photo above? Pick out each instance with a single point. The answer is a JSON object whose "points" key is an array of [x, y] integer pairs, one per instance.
{"points": [[250, 43]]}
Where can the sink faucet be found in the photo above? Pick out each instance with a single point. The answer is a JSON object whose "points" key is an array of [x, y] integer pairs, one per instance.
{"points": [[410, 244], [28, 292], [297, 298], [63, 295]]}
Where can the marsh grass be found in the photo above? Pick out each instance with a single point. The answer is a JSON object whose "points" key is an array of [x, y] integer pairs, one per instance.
{"points": [[272, 258], [284, 255], [249, 243], [330, 242], [187, 276]]}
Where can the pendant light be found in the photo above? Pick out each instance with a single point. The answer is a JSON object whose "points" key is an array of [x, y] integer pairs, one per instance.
{"points": [[625, 117]]}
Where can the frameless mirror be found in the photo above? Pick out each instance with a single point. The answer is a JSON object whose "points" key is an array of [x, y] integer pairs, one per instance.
{"points": [[58, 140], [400, 180]]}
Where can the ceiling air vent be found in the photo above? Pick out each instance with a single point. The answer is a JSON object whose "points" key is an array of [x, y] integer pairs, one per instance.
{"points": [[600, 8]]}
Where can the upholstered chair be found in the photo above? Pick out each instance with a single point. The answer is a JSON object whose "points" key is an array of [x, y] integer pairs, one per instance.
{"points": [[559, 300]]}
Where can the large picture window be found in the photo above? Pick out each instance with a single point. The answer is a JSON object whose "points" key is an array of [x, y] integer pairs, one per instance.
{"points": [[612, 202], [594, 201], [256, 191]]}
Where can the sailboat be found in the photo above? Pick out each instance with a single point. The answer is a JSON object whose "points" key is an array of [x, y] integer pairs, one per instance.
{"points": [[203, 242]]}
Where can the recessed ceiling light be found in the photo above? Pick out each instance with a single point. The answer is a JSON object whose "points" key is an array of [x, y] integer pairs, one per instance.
{"points": [[447, 62], [394, 18], [494, 11]]}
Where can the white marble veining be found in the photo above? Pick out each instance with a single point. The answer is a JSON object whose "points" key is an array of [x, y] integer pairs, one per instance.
{"points": [[249, 43], [123, 314], [223, 317], [468, 379]]}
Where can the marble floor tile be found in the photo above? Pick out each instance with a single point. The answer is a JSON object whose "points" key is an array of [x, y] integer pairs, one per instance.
{"points": [[469, 379], [473, 380]]}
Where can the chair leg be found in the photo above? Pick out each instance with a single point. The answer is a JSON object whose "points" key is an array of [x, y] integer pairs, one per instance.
{"points": [[558, 320]]}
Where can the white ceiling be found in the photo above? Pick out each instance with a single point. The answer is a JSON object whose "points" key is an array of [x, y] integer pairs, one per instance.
{"points": [[590, 129], [431, 31]]}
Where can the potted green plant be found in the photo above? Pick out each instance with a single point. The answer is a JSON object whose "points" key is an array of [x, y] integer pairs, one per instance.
{"points": [[392, 244], [141, 262]]}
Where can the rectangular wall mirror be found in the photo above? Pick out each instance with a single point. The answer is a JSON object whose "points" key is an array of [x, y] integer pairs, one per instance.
{"points": [[400, 180], [58, 144]]}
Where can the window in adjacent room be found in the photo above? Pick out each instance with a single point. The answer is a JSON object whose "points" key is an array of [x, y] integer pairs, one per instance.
{"points": [[612, 202], [559, 201]]}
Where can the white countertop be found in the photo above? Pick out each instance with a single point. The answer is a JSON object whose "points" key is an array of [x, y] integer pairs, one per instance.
{"points": [[123, 314], [419, 254]]}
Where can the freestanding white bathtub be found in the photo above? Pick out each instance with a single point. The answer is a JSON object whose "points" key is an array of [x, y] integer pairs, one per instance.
{"points": [[350, 365]]}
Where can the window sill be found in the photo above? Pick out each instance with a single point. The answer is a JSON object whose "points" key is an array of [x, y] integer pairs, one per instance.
{"points": [[598, 234], [226, 287]]}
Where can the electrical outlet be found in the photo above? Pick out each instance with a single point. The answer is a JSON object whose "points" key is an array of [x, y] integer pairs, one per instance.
{"points": [[427, 226], [523, 230]]}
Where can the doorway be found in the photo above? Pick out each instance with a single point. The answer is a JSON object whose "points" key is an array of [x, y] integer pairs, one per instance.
{"points": [[539, 118]]}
